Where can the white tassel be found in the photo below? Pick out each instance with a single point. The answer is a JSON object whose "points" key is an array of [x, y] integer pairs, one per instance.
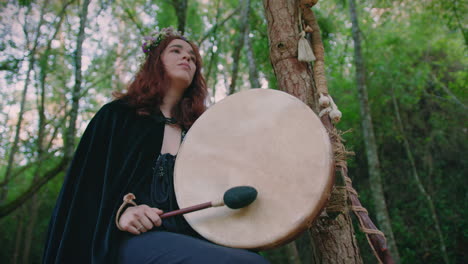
{"points": [[324, 101], [335, 113], [305, 52]]}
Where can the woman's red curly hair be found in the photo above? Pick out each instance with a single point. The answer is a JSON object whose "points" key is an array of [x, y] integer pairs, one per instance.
{"points": [[147, 90]]}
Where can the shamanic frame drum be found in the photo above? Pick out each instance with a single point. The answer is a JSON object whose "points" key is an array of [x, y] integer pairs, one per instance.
{"points": [[262, 138]]}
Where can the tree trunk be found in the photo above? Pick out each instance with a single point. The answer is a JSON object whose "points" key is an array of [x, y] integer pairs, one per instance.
{"points": [[33, 209], [34, 203], [180, 7], [329, 235], [239, 44], [293, 76], [70, 135], [14, 146], [375, 179], [18, 237], [253, 72], [118, 81], [211, 77], [213, 62], [213, 53], [418, 181], [293, 254]]}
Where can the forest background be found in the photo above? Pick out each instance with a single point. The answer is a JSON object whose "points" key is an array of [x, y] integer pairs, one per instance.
{"points": [[61, 60]]}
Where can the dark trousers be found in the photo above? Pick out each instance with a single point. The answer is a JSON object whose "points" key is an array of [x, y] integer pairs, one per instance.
{"points": [[167, 248]]}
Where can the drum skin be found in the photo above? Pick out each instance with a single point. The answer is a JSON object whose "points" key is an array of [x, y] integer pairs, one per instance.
{"points": [[262, 138]]}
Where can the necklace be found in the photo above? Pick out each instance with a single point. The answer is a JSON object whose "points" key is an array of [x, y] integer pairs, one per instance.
{"points": [[169, 120], [166, 120]]}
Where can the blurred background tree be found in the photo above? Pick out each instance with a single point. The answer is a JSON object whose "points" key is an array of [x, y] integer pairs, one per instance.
{"points": [[61, 60]]}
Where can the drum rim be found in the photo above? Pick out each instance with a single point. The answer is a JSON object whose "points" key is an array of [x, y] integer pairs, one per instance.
{"points": [[308, 219]]}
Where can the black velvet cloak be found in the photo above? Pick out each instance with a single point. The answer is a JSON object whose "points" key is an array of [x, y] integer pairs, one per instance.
{"points": [[116, 150]]}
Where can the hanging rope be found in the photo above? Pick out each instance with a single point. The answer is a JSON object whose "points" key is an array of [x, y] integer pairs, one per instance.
{"points": [[316, 54], [375, 237]]}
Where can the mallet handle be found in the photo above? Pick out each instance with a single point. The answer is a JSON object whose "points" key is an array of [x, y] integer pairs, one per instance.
{"points": [[187, 210]]}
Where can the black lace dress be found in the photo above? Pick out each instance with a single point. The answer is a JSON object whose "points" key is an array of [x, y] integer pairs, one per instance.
{"points": [[174, 241], [158, 191]]}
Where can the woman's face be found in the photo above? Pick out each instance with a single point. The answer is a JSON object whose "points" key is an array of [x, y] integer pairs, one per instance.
{"points": [[179, 61]]}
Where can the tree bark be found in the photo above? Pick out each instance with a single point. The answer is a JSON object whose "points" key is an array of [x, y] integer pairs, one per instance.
{"points": [[293, 76], [418, 181], [239, 44], [375, 178], [329, 235]]}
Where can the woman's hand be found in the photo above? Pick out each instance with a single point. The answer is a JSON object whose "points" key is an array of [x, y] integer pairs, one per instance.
{"points": [[139, 219]]}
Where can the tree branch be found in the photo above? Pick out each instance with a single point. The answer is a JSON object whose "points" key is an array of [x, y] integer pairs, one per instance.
{"points": [[214, 27], [9, 207], [447, 90]]}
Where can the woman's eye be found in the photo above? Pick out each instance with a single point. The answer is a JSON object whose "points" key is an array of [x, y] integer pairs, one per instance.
{"points": [[176, 51]]}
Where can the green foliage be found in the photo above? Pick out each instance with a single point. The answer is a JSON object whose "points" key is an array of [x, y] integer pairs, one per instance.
{"points": [[24, 2], [408, 59]]}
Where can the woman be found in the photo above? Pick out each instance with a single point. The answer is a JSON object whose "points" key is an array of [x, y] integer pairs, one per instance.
{"points": [[130, 146]]}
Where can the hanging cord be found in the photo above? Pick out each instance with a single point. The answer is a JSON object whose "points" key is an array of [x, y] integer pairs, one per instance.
{"points": [[375, 237]]}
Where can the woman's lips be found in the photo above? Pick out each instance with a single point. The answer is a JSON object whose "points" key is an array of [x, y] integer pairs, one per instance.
{"points": [[185, 65]]}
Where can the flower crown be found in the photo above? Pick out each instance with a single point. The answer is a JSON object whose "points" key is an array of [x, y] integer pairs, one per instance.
{"points": [[157, 36]]}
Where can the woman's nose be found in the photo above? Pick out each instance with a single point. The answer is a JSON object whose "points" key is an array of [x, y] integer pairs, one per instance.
{"points": [[186, 56]]}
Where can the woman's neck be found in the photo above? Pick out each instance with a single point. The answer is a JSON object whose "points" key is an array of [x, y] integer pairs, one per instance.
{"points": [[170, 100]]}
